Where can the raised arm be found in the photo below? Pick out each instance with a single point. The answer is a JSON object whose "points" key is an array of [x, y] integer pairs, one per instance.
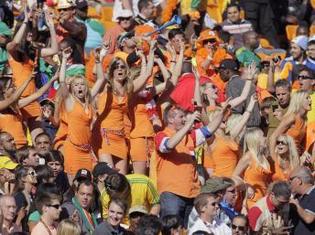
{"points": [[7, 102], [179, 135], [271, 75], [235, 132], [27, 100], [99, 73], [215, 123], [13, 45], [53, 49], [248, 75], [166, 75], [178, 66], [139, 82]]}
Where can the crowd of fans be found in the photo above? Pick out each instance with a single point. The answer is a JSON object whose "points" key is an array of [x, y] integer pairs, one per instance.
{"points": [[175, 117]]}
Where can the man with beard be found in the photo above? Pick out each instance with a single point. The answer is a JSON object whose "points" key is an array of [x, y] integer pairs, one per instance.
{"points": [[270, 214], [290, 66], [7, 145]]}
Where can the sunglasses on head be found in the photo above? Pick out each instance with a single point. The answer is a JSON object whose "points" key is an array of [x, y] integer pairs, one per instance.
{"points": [[56, 206], [240, 228], [301, 77], [281, 142]]}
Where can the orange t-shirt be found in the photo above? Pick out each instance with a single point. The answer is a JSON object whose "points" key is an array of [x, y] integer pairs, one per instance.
{"points": [[176, 170], [298, 132], [279, 174], [224, 155]]}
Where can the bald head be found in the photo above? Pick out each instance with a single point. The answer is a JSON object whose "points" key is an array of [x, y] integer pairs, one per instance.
{"points": [[251, 40], [7, 143]]}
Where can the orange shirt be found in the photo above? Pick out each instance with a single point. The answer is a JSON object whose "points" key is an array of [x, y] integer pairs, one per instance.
{"points": [[310, 135], [298, 132], [224, 154], [112, 111], [21, 72], [12, 123], [279, 174], [258, 178], [79, 125], [141, 125], [176, 170]]}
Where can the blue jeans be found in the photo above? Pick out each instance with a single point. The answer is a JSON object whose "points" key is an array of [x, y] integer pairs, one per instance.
{"points": [[172, 204]]}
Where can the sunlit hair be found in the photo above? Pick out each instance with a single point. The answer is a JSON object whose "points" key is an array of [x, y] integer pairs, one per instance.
{"points": [[231, 122], [294, 158], [252, 141], [296, 102], [87, 97], [68, 227], [128, 81]]}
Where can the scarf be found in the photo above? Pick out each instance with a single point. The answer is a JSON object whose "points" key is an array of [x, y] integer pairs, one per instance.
{"points": [[89, 221]]}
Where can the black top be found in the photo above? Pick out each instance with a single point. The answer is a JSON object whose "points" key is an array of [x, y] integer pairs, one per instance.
{"points": [[106, 229], [307, 202]]}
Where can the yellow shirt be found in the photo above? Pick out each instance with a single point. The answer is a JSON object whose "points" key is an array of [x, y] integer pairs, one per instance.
{"points": [[143, 193]]}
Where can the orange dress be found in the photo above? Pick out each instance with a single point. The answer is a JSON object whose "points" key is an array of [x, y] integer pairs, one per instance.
{"points": [[279, 174], [61, 134], [222, 156], [142, 133], [258, 178], [77, 147], [13, 124], [112, 112], [298, 132], [21, 72]]}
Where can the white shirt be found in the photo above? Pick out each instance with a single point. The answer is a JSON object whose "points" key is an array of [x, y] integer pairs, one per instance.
{"points": [[216, 227]]}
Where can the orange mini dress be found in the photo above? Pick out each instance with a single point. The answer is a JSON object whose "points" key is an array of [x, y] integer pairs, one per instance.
{"points": [[142, 133], [21, 72], [298, 132], [61, 134], [12, 123], [112, 114], [77, 146], [222, 156], [258, 178]]}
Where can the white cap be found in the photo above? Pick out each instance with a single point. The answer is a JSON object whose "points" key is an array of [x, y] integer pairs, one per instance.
{"points": [[125, 13], [64, 4], [311, 38]]}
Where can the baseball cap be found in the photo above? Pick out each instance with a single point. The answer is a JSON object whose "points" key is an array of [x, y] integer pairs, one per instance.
{"points": [[138, 209], [229, 64], [64, 4], [102, 168], [80, 4], [125, 13], [47, 102], [83, 174], [7, 163], [301, 41], [214, 185]]}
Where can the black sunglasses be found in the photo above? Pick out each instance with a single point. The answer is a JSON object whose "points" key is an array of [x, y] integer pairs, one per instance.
{"points": [[281, 142], [241, 228], [211, 40], [32, 173], [124, 18], [304, 77], [120, 66], [56, 206]]}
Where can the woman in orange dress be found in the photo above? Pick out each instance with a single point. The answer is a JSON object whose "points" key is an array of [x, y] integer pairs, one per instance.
{"points": [[113, 105], [294, 121], [284, 154], [11, 119], [253, 169], [76, 104], [23, 62]]}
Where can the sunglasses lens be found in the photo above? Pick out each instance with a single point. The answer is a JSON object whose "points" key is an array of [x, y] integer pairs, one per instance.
{"points": [[241, 228]]}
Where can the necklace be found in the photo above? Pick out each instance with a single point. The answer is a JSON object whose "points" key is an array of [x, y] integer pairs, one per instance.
{"points": [[46, 227]]}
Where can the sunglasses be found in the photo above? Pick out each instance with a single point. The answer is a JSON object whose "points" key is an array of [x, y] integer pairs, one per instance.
{"points": [[281, 142], [121, 66], [212, 41], [32, 173], [56, 206], [65, 9], [240, 228], [301, 77]]}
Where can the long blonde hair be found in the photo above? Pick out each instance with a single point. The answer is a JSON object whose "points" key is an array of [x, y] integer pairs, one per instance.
{"points": [[87, 98], [294, 158], [68, 227], [128, 82], [296, 102], [252, 139]]}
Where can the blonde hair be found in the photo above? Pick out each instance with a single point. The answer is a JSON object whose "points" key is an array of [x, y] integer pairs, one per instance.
{"points": [[252, 141], [294, 158], [68, 227], [296, 102], [128, 82], [87, 97]]}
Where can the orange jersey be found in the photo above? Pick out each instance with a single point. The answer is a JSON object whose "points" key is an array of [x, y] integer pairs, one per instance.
{"points": [[298, 132]]}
